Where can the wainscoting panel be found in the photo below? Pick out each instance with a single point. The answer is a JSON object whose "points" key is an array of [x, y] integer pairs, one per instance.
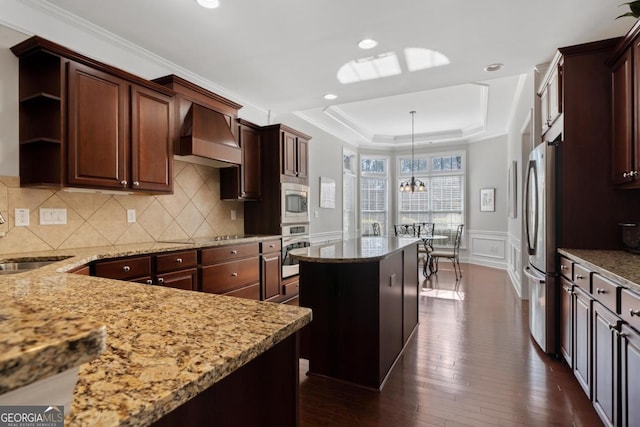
{"points": [[488, 248], [514, 267]]}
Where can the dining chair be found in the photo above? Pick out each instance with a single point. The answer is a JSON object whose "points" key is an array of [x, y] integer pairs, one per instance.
{"points": [[376, 229], [404, 230], [425, 229], [453, 255]]}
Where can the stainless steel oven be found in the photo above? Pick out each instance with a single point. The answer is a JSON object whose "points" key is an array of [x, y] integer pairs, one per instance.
{"points": [[295, 203], [294, 236]]}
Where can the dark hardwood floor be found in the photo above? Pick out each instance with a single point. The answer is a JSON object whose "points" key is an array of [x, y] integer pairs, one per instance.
{"points": [[471, 363]]}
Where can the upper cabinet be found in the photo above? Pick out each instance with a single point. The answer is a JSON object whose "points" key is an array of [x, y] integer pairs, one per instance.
{"points": [[243, 182], [86, 124], [293, 148], [625, 87], [550, 93]]}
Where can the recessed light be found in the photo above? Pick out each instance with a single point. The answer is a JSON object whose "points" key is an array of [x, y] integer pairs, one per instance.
{"points": [[330, 96], [209, 4], [367, 44], [494, 67]]}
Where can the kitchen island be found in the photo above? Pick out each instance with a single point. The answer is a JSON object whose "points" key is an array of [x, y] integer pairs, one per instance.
{"points": [[168, 356], [364, 297]]}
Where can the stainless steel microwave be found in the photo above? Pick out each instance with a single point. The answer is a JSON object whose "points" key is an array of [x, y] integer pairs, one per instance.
{"points": [[295, 203]]}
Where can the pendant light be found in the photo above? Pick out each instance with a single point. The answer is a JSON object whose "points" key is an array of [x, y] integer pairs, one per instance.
{"points": [[414, 184]]}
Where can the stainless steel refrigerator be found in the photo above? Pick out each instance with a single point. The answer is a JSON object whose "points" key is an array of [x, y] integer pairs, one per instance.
{"points": [[540, 230]]}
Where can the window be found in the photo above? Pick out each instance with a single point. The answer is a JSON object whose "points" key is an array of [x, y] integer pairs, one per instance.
{"points": [[373, 193], [443, 200]]}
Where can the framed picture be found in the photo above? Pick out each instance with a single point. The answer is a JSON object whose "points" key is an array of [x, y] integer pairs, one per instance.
{"points": [[327, 192], [513, 189], [487, 200]]}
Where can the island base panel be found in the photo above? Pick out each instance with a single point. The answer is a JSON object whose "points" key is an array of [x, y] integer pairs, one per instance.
{"points": [[264, 392]]}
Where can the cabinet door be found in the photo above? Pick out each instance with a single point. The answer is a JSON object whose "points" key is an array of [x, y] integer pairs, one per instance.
{"points": [[183, 279], [554, 96], [582, 339], [544, 109], [630, 372], [566, 321], [289, 155], [605, 352], [270, 273], [391, 316], [97, 128], [622, 108], [303, 158], [151, 140], [250, 142]]}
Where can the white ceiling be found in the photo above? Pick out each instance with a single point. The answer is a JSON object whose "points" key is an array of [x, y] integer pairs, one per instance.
{"points": [[283, 55]]}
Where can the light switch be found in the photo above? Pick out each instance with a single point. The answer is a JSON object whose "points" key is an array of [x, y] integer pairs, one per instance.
{"points": [[131, 215]]}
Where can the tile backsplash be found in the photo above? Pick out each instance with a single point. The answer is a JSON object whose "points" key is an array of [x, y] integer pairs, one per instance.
{"points": [[95, 219]]}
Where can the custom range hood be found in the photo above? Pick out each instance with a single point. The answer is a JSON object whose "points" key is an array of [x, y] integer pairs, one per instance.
{"points": [[207, 125]]}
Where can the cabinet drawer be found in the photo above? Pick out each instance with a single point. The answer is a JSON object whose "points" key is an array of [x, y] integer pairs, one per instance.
{"points": [[176, 261], [224, 253], [566, 268], [124, 269], [291, 288], [582, 277], [225, 277], [249, 292], [607, 292], [182, 279], [267, 246], [630, 308]]}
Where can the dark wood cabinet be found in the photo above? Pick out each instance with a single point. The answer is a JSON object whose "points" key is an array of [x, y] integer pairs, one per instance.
{"points": [[629, 375], [582, 338], [86, 124], [182, 279], [391, 316], [271, 269], [130, 268], [623, 123], [566, 321], [244, 181], [550, 94], [605, 353], [230, 269], [177, 270], [295, 162]]}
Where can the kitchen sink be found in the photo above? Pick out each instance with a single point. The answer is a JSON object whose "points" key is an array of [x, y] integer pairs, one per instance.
{"points": [[19, 266]]}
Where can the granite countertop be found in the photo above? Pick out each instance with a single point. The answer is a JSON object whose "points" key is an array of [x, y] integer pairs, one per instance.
{"points": [[162, 346], [620, 266], [364, 249]]}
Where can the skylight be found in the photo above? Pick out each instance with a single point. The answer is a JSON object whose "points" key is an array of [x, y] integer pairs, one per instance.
{"points": [[387, 64]]}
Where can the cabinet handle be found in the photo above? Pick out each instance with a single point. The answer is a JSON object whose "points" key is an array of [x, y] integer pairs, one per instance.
{"points": [[567, 290], [136, 183], [126, 268], [161, 280], [563, 267], [579, 277], [601, 291], [625, 175], [272, 245], [123, 182], [234, 274], [633, 312], [179, 260], [622, 334], [234, 252], [633, 173], [149, 282]]}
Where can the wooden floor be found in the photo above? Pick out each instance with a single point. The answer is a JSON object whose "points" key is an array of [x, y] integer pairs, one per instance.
{"points": [[471, 363]]}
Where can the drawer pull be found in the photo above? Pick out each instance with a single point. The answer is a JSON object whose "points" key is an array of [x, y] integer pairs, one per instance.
{"points": [[179, 260], [563, 267], [126, 268], [633, 312], [567, 289], [234, 252], [601, 291], [234, 274], [160, 280], [149, 282], [579, 277], [272, 245]]}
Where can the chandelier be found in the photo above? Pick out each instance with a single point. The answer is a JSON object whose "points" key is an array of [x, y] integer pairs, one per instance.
{"points": [[414, 184]]}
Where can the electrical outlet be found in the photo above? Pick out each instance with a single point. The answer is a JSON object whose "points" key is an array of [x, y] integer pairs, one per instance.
{"points": [[22, 217], [131, 215], [50, 216], [233, 214]]}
